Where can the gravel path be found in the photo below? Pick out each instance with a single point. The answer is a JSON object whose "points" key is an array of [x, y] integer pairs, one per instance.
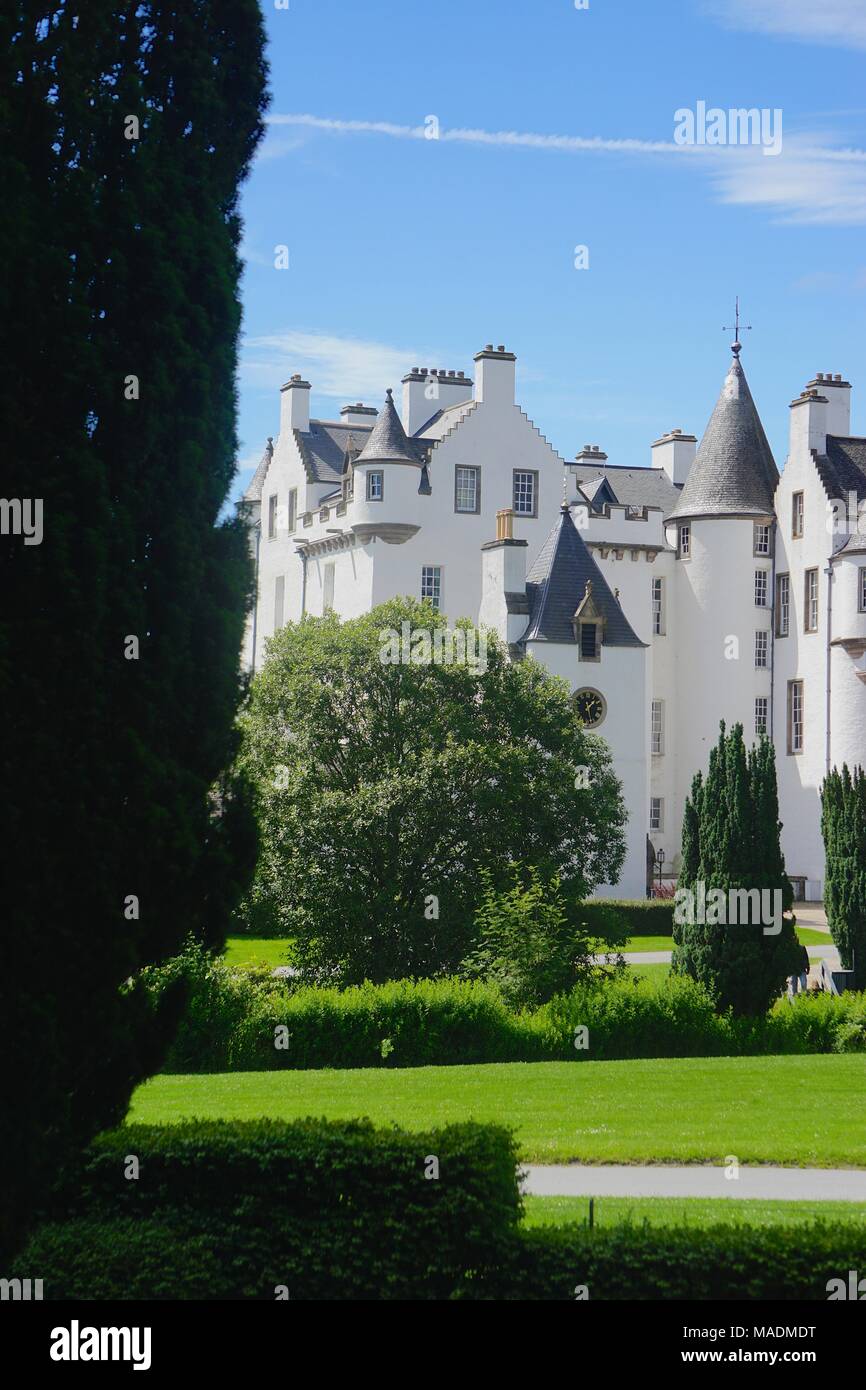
{"points": [[694, 1180]]}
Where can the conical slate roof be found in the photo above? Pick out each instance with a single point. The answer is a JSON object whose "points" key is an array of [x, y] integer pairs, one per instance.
{"points": [[734, 473], [556, 584], [388, 442]]}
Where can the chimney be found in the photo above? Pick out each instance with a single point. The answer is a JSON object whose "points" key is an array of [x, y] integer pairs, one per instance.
{"points": [[503, 580], [809, 421], [426, 391], [358, 414], [495, 376], [295, 405], [591, 453], [838, 394], [675, 453]]}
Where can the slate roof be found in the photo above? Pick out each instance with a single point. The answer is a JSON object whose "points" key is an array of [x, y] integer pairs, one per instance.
{"points": [[734, 473], [257, 481], [388, 442], [556, 584], [631, 487], [842, 469], [323, 448]]}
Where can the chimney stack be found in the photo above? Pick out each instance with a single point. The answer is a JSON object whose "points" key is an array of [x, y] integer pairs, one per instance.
{"points": [[495, 376], [675, 453], [426, 391], [838, 396], [295, 405]]}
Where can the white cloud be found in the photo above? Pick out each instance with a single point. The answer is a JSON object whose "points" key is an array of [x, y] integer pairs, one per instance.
{"points": [[348, 368], [807, 183], [840, 22], [810, 181]]}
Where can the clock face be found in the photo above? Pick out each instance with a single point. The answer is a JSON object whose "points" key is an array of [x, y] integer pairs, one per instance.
{"points": [[590, 707]]}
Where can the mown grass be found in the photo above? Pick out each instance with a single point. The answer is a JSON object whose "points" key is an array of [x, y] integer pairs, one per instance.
{"points": [[798, 1110], [693, 1212]]}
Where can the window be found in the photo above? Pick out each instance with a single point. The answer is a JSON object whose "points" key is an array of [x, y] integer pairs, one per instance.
{"points": [[657, 730], [810, 611], [658, 606], [431, 584], [293, 510], [684, 542], [796, 723], [467, 489], [525, 492], [762, 539], [328, 587], [861, 588], [762, 647], [783, 605], [589, 642], [375, 486], [657, 813], [279, 600], [797, 514], [761, 588], [762, 705], [272, 516]]}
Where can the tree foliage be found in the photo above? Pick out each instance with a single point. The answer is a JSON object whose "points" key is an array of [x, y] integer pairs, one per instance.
{"points": [[127, 129], [386, 790], [731, 842], [843, 825]]}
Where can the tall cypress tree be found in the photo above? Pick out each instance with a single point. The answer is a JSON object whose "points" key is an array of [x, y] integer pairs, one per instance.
{"points": [[734, 820], [843, 825], [128, 127]]}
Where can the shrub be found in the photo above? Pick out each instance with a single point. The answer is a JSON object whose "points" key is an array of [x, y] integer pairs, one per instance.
{"points": [[233, 1016], [329, 1210], [527, 942], [617, 919], [628, 1262]]}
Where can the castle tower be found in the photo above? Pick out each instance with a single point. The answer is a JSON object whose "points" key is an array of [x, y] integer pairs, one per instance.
{"points": [[723, 529], [387, 478]]}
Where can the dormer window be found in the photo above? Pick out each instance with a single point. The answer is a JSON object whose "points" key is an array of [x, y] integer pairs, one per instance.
{"points": [[589, 642], [588, 624]]}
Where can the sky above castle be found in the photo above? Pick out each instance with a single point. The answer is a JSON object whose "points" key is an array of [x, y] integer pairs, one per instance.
{"points": [[586, 198]]}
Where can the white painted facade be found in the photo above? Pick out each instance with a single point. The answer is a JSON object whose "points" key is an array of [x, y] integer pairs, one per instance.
{"points": [[699, 659]]}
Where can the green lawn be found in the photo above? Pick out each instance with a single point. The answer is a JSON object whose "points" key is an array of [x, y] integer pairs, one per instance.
{"points": [[789, 1110], [806, 935], [695, 1212], [245, 951]]}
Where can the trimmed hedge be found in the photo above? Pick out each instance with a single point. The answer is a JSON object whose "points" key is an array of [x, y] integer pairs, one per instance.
{"points": [[235, 1019], [630, 1262], [617, 919], [328, 1210]]}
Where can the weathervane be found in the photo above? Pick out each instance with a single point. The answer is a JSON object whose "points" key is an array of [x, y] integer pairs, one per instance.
{"points": [[736, 345]]}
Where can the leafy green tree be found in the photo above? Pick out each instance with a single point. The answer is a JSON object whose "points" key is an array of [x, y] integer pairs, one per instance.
{"points": [[529, 943], [731, 847], [386, 790], [128, 127], [843, 825]]}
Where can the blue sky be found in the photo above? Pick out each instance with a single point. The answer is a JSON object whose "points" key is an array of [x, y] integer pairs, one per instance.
{"points": [[556, 130]]}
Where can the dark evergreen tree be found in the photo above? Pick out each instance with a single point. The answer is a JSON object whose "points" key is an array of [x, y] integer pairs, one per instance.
{"points": [[128, 127], [731, 832], [843, 825]]}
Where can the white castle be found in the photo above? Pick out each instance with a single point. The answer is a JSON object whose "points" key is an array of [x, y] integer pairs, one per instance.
{"points": [[707, 586]]}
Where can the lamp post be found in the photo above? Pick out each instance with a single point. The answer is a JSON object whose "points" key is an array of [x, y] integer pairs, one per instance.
{"points": [[660, 859]]}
